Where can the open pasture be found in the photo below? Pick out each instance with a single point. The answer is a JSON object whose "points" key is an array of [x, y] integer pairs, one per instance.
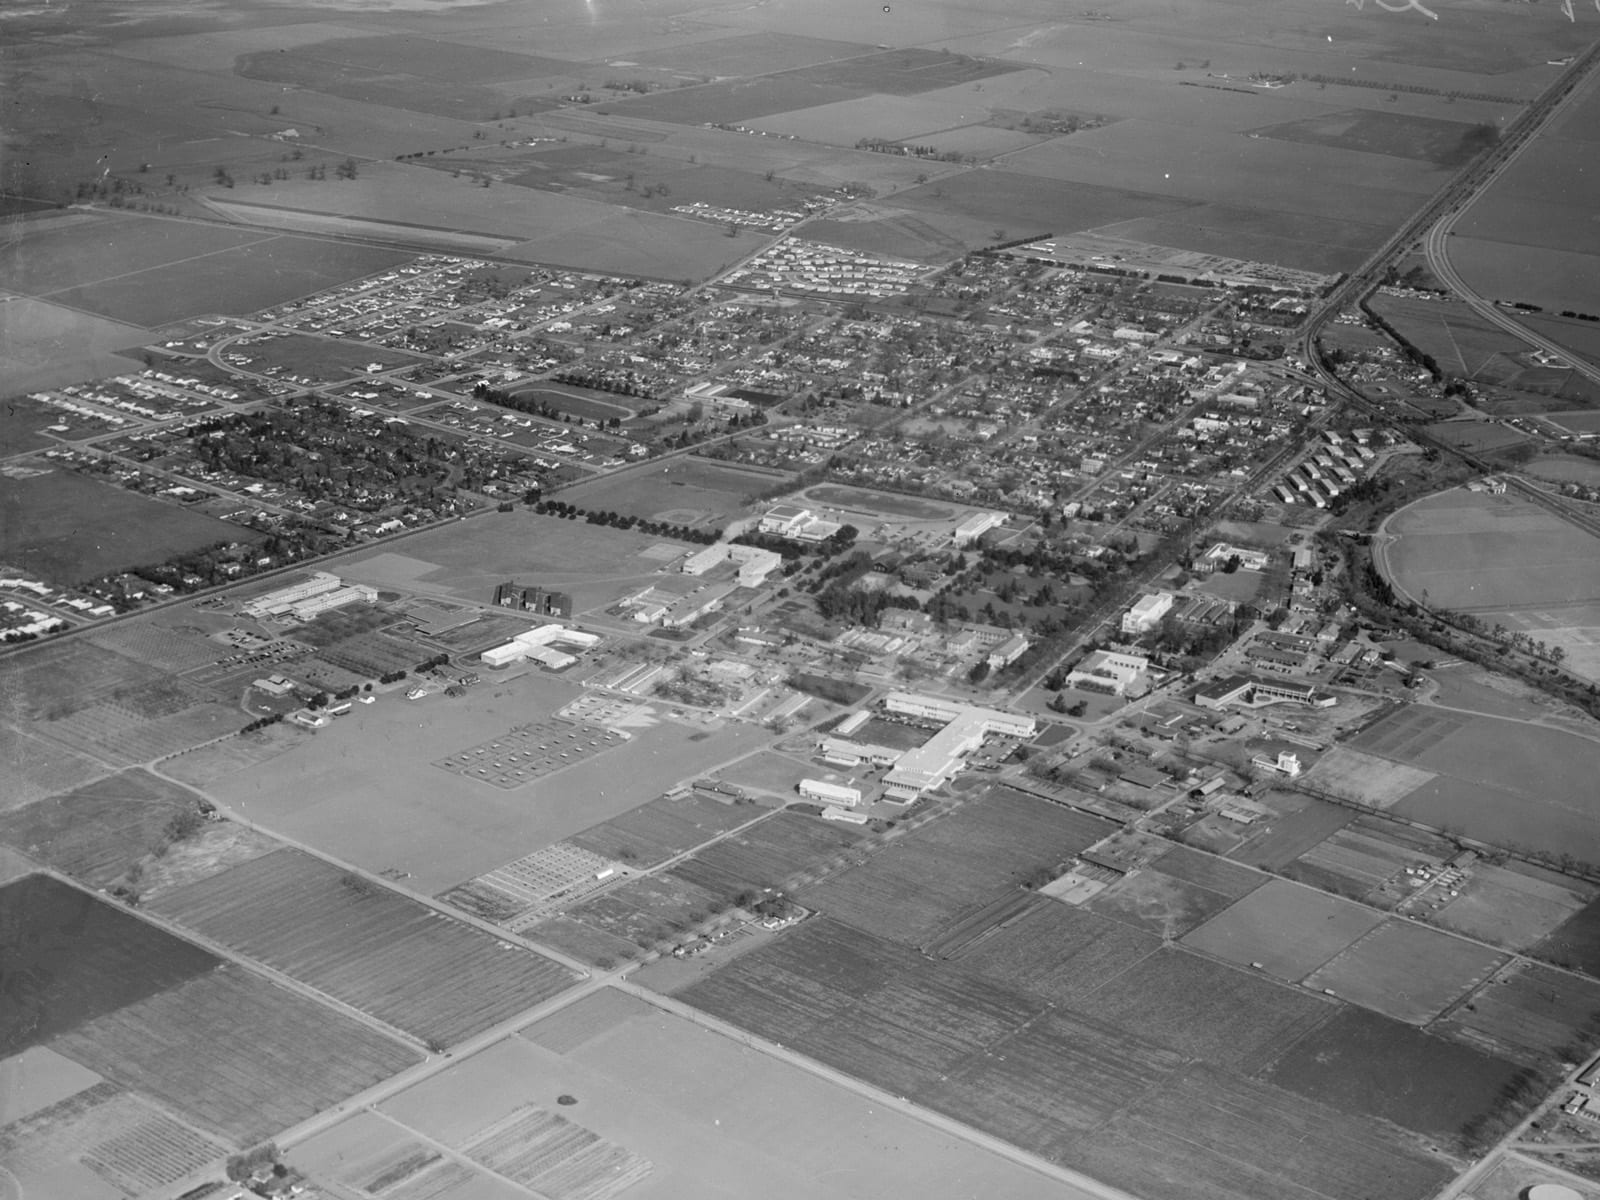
{"points": [[717, 492], [71, 957], [1371, 1065], [1529, 1013], [666, 826], [435, 978], [768, 771], [1513, 905], [1058, 953], [1288, 929], [233, 1053], [69, 528], [1554, 278], [98, 831], [930, 878], [713, 1116], [1399, 135], [36, 767], [778, 853], [39, 1078], [1227, 1016], [1210, 1135], [363, 788], [44, 345], [1151, 900], [1209, 872], [113, 733], [1464, 344], [582, 941], [1576, 942], [1378, 781], [581, 1022], [1406, 971], [759, 53]]}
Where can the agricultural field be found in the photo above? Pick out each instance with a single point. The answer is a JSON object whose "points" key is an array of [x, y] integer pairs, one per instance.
{"points": [[96, 832], [1301, 824], [1529, 1013], [1059, 953], [1155, 901], [645, 912], [1575, 944], [236, 1054], [1514, 905], [36, 767], [923, 882], [685, 491], [768, 771], [1505, 561], [1367, 1064], [1505, 782], [1289, 930], [666, 826], [435, 978], [1227, 1016], [1399, 135], [72, 957], [1367, 860], [780, 852], [68, 528], [712, 1117], [1406, 972], [153, 271]]}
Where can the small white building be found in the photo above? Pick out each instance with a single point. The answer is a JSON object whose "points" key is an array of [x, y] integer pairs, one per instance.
{"points": [[1286, 763], [829, 793]]}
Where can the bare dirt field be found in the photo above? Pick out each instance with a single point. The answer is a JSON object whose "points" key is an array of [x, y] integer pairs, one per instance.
{"points": [[1289, 930], [711, 1116], [1406, 971]]}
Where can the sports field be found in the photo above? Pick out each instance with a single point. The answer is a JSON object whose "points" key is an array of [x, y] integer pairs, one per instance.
{"points": [[68, 528], [1289, 930], [684, 491], [1505, 561], [710, 1116], [438, 979]]}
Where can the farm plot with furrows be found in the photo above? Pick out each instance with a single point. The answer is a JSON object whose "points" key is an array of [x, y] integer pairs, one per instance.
{"points": [[905, 1036], [647, 909], [158, 646], [99, 830], [115, 735], [1059, 952], [1530, 1013], [155, 1151], [435, 977], [232, 1052], [1055, 1078], [1302, 823], [970, 857], [552, 1155], [664, 827], [49, 683], [1206, 1010], [443, 1181], [770, 854], [1365, 1063], [1210, 1135]]}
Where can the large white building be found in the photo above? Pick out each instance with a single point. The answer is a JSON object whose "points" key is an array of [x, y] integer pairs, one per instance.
{"points": [[976, 526], [800, 524], [1109, 672], [1146, 613], [754, 563], [282, 599], [935, 761], [540, 644]]}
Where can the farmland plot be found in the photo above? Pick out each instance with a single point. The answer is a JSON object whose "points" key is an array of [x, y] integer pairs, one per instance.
{"points": [[1529, 1013], [1407, 971], [1058, 952], [234, 1053], [645, 910], [434, 977], [769, 854], [662, 828]]}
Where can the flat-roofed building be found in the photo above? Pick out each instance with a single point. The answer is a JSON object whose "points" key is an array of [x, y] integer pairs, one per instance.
{"points": [[975, 526], [1146, 613], [829, 793], [1109, 672]]}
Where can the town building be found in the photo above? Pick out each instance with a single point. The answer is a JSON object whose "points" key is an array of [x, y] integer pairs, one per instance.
{"points": [[975, 526], [829, 793], [754, 563], [797, 523], [1252, 691], [1146, 613], [1109, 672], [539, 644], [1008, 652]]}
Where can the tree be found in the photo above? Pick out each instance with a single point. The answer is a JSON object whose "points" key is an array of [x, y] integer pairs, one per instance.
{"points": [[347, 169]]}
